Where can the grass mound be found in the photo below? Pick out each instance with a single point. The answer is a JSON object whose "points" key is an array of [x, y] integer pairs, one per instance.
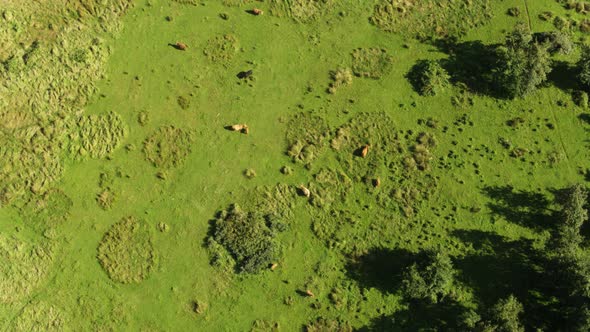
{"points": [[23, 265], [40, 316], [167, 147], [27, 163], [247, 238], [301, 10], [430, 19], [126, 251], [46, 211], [99, 135], [221, 49], [306, 137], [371, 62]]}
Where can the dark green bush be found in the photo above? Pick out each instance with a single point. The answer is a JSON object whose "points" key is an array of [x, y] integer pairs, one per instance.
{"points": [[428, 77], [430, 278], [247, 237]]}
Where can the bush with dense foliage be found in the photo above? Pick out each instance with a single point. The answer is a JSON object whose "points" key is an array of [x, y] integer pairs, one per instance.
{"points": [[247, 237]]}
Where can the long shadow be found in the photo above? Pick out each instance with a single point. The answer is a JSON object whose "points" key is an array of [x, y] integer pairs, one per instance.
{"points": [[471, 63], [380, 268], [525, 208], [564, 76], [502, 267], [421, 316]]}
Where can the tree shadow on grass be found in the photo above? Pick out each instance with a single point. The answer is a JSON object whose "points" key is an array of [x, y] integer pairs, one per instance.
{"points": [[471, 63], [502, 267], [564, 76], [421, 316], [525, 208], [380, 268]]}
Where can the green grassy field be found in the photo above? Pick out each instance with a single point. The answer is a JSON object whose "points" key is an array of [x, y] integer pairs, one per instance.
{"points": [[482, 191]]}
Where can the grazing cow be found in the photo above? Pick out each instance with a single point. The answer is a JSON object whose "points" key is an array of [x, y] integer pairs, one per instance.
{"points": [[309, 293], [180, 46], [274, 266], [243, 128], [364, 150], [255, 12], [376, 182], [244, 74], [304, 191]]}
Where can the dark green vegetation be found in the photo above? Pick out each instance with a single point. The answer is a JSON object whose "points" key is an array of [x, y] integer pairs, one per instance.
{"points": [[407, 165]]}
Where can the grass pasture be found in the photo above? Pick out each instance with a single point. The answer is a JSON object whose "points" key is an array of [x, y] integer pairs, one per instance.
{"points": [[128, 203]]}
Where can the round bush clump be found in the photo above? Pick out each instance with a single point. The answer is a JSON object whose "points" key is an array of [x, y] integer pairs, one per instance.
{"points": [[126, 251]]}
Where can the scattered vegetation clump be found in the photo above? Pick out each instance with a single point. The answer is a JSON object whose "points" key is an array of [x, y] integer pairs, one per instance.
{"points": [[126, 251], [187, 2], [431, 19], [221, 49], [250, 173], [265, 326], [513, 11], [106, 199], [23, 266], [430, 278], [340, 78], [167, 147], [183, 102], [235, 3], [306, 137], [246, 237], [99, 135], [428, 77], [580, 98], [143, 118], [371, 62], [301, 10]]}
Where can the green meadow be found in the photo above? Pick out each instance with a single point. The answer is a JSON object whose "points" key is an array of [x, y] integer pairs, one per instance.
{"points": [[184, 165]]}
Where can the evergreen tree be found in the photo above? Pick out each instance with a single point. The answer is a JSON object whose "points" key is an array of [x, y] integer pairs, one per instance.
{"points": [[584, 67], [572, 218]]}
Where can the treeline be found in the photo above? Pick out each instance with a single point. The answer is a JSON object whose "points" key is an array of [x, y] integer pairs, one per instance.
{"points": [[509, 70]]}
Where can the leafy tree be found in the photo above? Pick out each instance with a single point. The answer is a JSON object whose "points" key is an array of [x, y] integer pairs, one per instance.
{"points": [[505, 315], [428, 77], [522, 64], [584, 67], [431, 278]]}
